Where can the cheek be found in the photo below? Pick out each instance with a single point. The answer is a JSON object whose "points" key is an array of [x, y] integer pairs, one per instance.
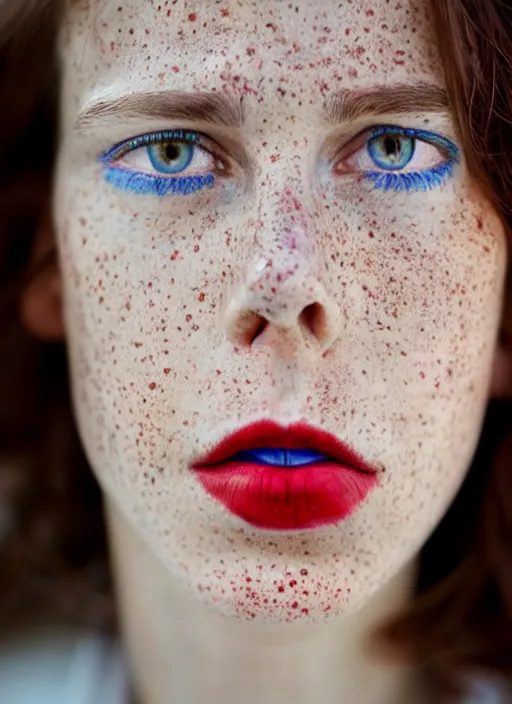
{"points": [[419, 278], [141, 310], [420, 289]]}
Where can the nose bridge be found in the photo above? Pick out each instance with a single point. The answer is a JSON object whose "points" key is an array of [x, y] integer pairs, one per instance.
{"points": [[287, 240], [280, 280]]}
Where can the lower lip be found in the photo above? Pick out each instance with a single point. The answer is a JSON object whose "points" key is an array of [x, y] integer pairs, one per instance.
{"points": [[280, 498]]}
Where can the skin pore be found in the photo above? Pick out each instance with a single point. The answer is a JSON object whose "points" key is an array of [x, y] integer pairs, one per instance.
{"points": [[303, 281]]}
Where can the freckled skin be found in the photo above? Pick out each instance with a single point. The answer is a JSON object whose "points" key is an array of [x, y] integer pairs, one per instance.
{"points": [[164, 296]]}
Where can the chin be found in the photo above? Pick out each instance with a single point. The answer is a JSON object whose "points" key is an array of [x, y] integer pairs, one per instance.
{"points": [[287, 601]]}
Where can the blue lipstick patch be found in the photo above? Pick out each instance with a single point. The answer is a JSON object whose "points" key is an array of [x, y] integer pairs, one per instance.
{"points": [[277, 456]]}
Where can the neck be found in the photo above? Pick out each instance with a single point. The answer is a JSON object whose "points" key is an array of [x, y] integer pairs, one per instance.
{"points": [[181, 652]]}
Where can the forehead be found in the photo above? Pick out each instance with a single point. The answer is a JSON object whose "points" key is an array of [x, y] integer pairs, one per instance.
{"points": [[256, 48]]}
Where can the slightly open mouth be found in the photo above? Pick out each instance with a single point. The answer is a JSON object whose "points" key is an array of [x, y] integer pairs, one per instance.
{"points": [[281, 457]]}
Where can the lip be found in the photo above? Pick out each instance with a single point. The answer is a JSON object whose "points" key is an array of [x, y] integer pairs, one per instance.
{"points": [[283, 498]]}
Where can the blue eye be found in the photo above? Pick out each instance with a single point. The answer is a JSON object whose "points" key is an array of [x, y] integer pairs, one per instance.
{"points": [[171, 157], [391, 151], [177, 162], [402, 159]]}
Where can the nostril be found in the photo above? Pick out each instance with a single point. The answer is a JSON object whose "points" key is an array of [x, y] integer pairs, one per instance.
{"points": [[247, 328], [258, 326], [314, 319]]}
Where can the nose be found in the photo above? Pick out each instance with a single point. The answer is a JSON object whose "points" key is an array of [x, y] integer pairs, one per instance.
{"points": [[281, 294]]}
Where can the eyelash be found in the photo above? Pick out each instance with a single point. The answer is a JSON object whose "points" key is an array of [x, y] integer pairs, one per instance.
{"points": [[387, 180]]}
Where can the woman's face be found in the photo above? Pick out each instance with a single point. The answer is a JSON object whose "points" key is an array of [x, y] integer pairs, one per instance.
{"points": [[263, 214]]}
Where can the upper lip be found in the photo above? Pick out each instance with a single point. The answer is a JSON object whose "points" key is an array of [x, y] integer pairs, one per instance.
{"points": [[270, 434]]}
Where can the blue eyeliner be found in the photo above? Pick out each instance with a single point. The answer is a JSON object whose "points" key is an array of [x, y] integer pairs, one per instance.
{"points": [[389, 180], [166, 180], [149, 184], [413, 181]]}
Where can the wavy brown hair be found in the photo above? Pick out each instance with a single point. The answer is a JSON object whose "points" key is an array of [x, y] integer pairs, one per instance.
{"points": [[53, 552]]}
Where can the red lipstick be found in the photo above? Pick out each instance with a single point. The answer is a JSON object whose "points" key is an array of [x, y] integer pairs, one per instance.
{"points": [[274, 497]]}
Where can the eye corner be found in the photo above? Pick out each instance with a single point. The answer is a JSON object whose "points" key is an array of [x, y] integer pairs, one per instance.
{"points": [[111, 155]]}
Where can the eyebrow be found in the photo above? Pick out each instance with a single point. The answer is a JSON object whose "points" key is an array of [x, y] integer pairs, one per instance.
{"points": [[215, 108], [349, 106], [228, 110]]}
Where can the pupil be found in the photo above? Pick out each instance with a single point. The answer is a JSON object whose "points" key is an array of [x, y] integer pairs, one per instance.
{"points": [[392, 146], [171, 152]]}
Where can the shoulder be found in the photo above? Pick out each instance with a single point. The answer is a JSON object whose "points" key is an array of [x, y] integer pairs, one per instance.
{"points": [[62, 667]]}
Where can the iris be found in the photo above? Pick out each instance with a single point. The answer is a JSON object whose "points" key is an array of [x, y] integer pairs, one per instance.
{"points": [[171, 157], [391, 151]]}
